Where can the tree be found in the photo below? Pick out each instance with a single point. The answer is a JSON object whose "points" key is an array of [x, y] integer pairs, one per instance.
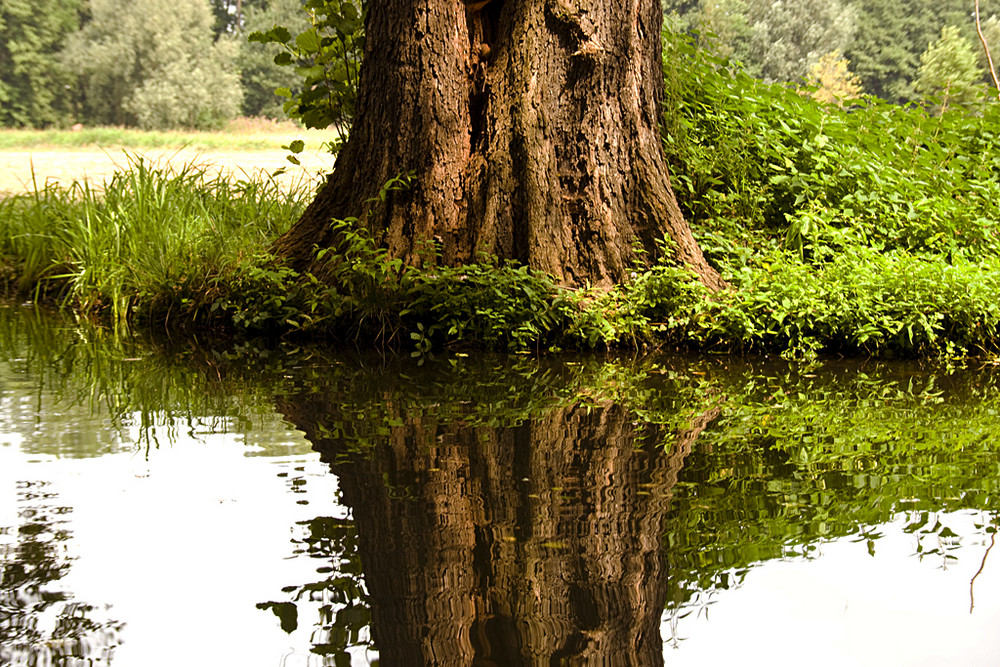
{"points": [[153, 63], [833, 80], [528, 130], [787, 38], [228, 16], [32, 82], [723, 27], [949, 71], [259, 74], [890, 36], [991, 32], [776, 41]]}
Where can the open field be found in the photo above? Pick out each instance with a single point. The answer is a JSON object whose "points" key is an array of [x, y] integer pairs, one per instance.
{"points": [[246, 148], [239, 134], [19, 169]]}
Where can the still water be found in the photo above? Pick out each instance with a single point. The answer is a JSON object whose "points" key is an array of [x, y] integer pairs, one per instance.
{"points": [[163, 504]]}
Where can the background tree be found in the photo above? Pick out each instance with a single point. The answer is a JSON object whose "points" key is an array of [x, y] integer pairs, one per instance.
{"points": [[832, 79], [529, 131], [787, 38], [228, 15], [259, 74], [949, 72], [154, 63], [891, 35], [777, 41], [723, 27], [33, 84]]}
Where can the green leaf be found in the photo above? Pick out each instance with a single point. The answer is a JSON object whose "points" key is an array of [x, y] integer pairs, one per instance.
{"points": [[281, 34], [308, 41]]}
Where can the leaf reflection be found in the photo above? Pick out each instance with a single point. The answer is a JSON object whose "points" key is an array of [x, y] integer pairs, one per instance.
{"points": [[39, 623]]}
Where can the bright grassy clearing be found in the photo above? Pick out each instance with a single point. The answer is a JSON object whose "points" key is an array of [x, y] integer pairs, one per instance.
{"points": [[241, 134], [22, 171], [248, 147]]}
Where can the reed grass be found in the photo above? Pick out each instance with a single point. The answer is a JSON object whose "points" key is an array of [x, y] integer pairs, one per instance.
{"points": [[153, 238]]}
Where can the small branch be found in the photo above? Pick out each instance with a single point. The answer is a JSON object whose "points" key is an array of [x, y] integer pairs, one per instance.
{"points": [[972, 584], [986, 47]]}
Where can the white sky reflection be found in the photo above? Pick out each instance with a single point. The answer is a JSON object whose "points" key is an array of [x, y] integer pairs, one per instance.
{"points": [[845, 607], [184, 545]]}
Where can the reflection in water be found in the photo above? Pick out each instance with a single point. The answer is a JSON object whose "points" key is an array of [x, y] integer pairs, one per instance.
{"points": [[339, 599], [548, 513], [39, 623], [538, 543], [487, 510], [53, 376]]}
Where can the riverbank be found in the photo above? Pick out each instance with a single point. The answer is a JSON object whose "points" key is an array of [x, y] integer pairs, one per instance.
{"points": [[873, 231], [188, 249]]}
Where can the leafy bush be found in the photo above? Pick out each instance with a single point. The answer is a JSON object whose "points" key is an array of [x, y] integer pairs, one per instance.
{"points": [[749, 160], [190, 94], [327, 57]]}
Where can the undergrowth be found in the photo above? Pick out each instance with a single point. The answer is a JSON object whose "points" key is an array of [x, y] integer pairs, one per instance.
{"points": [[870, 230]]}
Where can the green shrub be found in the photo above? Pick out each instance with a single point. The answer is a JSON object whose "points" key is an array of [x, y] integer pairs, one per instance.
{"points": [[747, 159]]}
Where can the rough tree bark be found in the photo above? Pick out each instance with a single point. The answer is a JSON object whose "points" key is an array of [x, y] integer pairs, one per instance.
{"points": [[530, 129]]}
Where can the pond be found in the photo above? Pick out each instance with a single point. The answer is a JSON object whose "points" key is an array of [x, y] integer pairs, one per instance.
{"points": [[163, 503]]}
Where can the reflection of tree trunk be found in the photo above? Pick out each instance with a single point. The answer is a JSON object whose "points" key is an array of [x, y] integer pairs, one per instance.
{"points": [[538, 544]]}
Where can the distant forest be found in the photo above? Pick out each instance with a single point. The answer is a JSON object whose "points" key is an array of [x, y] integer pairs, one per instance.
{"points": [[161, 64]]}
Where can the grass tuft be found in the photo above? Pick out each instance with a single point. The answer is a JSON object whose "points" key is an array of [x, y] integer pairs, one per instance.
{"points": [[147, 244]]}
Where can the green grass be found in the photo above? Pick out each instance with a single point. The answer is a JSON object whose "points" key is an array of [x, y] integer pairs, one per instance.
{"points": [[182, 248], [871, 231], [146, 245]]}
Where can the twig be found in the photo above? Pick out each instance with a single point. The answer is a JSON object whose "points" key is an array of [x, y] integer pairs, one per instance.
{"points": [[972, 595], [986, 47]]}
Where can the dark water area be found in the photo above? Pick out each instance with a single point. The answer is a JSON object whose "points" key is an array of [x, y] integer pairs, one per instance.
{"points": [[167, 504]]}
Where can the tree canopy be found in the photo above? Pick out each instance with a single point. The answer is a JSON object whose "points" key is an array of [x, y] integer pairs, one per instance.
{"points": [[57, 67], [172, 77], [33, 81], [880, 40], [949, 72]]}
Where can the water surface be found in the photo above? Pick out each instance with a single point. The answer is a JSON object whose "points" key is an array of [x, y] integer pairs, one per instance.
{"points": [[263, 505]]}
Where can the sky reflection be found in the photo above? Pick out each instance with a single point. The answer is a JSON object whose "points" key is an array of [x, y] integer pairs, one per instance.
{"points": [[845, 606]]}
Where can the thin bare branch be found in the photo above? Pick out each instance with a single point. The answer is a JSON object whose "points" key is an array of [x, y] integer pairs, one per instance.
{"points": [[972, 584], [986, 47]]}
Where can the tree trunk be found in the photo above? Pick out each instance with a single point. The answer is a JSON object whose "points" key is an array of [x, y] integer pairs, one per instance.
{"points": [[530, 131]]}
